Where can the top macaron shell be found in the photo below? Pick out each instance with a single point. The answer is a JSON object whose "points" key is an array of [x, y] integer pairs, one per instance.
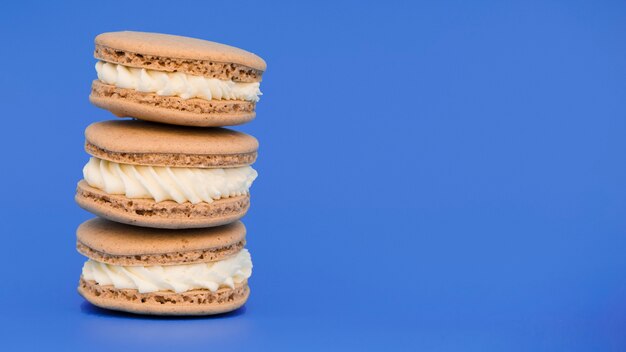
{"points": [[197, 56], [145, 143], [118, 244], [170, 54]]}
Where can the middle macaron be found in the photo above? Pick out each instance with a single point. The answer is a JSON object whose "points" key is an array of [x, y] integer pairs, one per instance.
{"points": [[164, 176]]}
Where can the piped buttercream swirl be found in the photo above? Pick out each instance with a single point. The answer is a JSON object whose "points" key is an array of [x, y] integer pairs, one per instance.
{"points": [[176, 83], [162, 183], [177, 278]]}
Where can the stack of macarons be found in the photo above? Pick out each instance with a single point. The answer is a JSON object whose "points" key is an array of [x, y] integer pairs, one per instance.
{"points": [[169, 185]]}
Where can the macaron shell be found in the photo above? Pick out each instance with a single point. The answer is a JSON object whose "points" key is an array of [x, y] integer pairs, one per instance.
{"points": [[119, 244], [194, 302], [173, 46], [170, 109], [164, 215], [119, 239], [132, 136], [147, 143]]}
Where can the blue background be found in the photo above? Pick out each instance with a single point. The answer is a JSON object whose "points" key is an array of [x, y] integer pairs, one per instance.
{"points": [[434, 176]]}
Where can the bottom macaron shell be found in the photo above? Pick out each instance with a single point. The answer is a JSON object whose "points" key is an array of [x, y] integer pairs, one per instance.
{"points": [[194, 302], [166, 214], [169, 109]]}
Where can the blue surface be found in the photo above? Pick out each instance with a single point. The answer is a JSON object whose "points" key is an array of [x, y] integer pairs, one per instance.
{"points": [[435, 176]]}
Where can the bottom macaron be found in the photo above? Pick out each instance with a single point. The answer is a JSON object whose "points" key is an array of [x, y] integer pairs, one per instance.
{"points": [[164, 272]]}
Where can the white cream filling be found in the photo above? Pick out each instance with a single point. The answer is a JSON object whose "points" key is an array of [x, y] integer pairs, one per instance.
{"points": [[178, 84], [162, 183], [177, 278]]}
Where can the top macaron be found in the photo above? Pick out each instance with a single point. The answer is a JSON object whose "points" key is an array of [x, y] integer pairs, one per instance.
{"points": [[175, 80]]}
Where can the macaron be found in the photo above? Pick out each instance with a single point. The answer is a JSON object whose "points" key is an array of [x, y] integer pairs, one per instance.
{"points": [[164, 272], [175, 80], [163, 176]]}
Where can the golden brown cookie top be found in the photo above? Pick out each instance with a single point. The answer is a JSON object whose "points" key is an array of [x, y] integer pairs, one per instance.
{"points": [[146, 143], [176, 53], [114, 243]]}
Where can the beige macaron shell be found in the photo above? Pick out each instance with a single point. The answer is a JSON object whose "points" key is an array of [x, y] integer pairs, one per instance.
{"points": [[174, 46], [147, 143], [132, 136], [114, 243], [194, 302]]}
